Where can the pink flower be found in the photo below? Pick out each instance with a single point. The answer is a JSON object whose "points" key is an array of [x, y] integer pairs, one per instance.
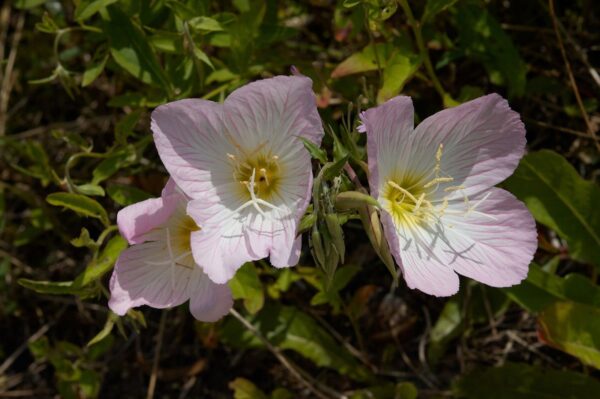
{"points": [[244, 166], [158, 269], [441, 213]]}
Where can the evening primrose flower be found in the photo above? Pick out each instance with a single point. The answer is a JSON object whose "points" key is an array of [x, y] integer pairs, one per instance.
{"points": [[246, 169], [158, 268], [441, 214]]}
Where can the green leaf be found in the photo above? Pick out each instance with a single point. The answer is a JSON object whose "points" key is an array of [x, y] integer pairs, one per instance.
{"points": [[90, 189], [205, 24], [246, 285], [363, 61], [28, 4], [354, 200], [106, 330], [245, 389], [543, 288], [573, 328], [290, 329], [103, 264], [113, 163], [434, 7], [559, 198], [446, 328], [92, 72], [84, 240], [87, 8], [125, 126], [522, 381], [201, 55], [130, 49], [481, 37], [314, 150], [398, 71], [126, 195], [80, 204], [333, 169], [56, 287]]}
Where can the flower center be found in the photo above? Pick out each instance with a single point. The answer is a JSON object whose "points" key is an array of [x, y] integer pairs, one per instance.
{"points": [[414, 201], [263, 168]]}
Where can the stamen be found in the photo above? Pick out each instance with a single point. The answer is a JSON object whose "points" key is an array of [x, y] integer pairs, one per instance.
{"points": [[263, 172], [231, 156], [438, 180], [402, 190], [418, 203]]}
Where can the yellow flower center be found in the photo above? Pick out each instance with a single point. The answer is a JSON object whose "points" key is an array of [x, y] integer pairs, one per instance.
{"points": [[411, 200], [261, 169]]}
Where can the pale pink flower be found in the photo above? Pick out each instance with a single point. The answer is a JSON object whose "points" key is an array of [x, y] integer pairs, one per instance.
{"points": [[245, 167], [158, 268], [441, 213]]}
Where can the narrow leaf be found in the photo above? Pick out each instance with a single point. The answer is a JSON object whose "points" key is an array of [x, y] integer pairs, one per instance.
{"points": [[80, 204]]}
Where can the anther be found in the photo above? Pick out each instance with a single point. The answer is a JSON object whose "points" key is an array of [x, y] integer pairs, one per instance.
{"points": [[438, 180], [231, 156]]}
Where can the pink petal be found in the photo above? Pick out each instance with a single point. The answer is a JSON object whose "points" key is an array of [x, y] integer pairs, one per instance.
{"points": [[483, 142], [189, 138], [414, 251], [135, 282], [209, 301], [136, 220], [274, 110], [389, 127], [496, 251]]}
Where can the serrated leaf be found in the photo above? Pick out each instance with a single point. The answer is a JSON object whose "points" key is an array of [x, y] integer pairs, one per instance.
{"points": [[522, 381], [573, 328], [80, 204], [559, 198], [84, 240], [246, 285], [130, 49]]}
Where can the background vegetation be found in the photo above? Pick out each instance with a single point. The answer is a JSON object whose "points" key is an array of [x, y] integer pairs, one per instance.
{"points": [[78, 80]]}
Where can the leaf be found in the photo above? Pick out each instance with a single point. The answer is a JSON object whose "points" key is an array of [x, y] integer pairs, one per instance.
{"points": [[446, 328], [28, 4], [363, 61], [110, 165], [333, 169], [130, 49], [80, 204], [125, 126], [290, 329], [543, 288], [92, 73], [314, 150], [354, 200], [201, 55], [205, 24], [106, 330], [84, 240], [434, 7], [245, 389], [103, 264], [126, 195], [246, 285], [87, 8], [399, 70], [55, 287], [522, 381], [573, 328], [481, 37], [559, 198], [90, 189]]}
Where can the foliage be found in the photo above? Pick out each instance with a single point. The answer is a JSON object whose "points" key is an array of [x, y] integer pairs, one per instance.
{"points": [[78, 81]]}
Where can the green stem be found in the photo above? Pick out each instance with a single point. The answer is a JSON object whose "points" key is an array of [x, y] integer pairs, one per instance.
{"points": [[416, 27]]}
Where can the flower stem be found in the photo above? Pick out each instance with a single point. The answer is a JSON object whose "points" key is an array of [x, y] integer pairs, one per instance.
{"points": [[416, 27]]}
